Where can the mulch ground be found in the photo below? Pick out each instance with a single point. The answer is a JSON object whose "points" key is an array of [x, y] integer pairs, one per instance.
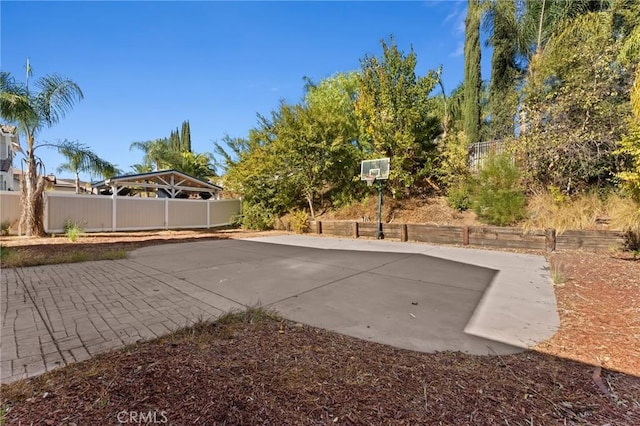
{"points": [[275, 372], [252, 369]]}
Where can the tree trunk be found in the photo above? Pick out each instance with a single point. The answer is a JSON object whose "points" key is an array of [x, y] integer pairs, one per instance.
{"points": [[32, 201], [310, 201]]}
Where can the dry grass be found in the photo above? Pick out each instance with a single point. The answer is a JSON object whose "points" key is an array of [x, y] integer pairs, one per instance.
{"points": [[431, 210], [583, 211], [625, 214], [18, 257]]}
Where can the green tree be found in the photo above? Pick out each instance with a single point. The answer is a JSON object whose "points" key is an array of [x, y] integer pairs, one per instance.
{"points": [[502, 21], [174, 141], [185, 137], [81, 159], [397, 119], [299, 155], [574, 101], [472, 72], [33, 111]]}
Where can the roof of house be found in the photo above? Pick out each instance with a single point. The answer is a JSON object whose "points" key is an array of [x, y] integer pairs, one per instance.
{"points": [[173, 181], [8, 129]]}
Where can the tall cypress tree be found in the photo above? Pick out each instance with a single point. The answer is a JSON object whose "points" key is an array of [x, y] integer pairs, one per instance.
{"points": [[472, 76], [185, 137]]}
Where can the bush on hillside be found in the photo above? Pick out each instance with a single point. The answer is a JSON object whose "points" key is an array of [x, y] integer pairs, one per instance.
{"points": [[459, 196], [498, 198]]}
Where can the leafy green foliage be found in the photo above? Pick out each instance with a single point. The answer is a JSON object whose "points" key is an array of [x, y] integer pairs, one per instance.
{"points": [[174, 152], [472, 75], [629, 147], [574, 102], [300, 154], [397, 119], [498, 198], [503, 97], [255, 216]]}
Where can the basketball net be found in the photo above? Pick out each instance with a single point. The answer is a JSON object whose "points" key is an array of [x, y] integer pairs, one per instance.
{"points": [[370, 179]]}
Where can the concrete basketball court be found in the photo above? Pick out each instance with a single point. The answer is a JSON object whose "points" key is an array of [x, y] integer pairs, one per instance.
{"points": [[409, 295]]}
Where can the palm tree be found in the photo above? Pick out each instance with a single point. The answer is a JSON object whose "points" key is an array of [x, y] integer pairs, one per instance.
{"points": [[196, 165], [157, 152], [33, 111], [80, 159]]}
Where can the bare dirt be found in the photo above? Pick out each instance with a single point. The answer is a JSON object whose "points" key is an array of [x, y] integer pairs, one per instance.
{"points": [[255, 371]]}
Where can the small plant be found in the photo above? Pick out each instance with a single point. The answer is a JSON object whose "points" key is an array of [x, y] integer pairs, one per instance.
{"points": [[557, 276], [557, 195], [72, 230], [4, 227], [299, 221], [4, 410], [498, 198]]}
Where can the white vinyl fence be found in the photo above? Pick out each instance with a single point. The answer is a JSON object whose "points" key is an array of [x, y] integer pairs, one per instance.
{"points": [[96, 213]]}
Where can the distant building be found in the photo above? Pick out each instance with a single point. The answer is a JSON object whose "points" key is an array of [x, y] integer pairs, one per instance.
{"points": [[8, 139]]}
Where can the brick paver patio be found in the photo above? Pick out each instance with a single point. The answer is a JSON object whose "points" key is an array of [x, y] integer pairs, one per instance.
{"points": [[57, 314]]}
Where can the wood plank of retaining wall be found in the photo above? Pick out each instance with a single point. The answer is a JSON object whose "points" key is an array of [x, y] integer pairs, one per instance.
{"points": [[507, 237], [368, 229], [590, 240], [343, 229], [435, 234], [392, 230]]}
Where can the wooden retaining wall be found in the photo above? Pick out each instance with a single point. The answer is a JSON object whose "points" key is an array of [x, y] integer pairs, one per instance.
{"points": [[483, 236]]}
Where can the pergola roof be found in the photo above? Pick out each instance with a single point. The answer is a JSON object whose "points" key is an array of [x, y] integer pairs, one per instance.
{"points": [[172, 181]]}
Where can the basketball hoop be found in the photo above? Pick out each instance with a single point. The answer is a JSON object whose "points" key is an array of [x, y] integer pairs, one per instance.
{"points": [[370, 179]]}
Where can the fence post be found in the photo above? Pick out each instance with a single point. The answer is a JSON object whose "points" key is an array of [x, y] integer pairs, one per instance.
{"points": [[465, 235], [550, 239], [166, 213], [403, 232], [114, 210], [356, 231], [318, 227]]}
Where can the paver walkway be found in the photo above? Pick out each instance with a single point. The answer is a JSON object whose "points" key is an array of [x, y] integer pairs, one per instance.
{"points": [[393, 293]]}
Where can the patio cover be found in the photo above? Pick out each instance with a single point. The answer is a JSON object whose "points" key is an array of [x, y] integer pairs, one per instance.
{"points": [[166, 183]]}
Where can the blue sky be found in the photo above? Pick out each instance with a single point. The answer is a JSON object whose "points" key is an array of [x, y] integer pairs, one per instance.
{"points": [[144, 67]]}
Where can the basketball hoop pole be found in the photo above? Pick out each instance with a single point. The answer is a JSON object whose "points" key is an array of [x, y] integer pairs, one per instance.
{"points": [[379, 234], [371, 171]]}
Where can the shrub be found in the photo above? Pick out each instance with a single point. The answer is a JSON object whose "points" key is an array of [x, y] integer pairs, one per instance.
{"points": [[498, 198], [72, 230], [299, 221], [4, 227], [255, 216], [459, 197]]}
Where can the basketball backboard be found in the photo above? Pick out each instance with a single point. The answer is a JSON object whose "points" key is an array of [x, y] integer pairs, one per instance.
{"points": [[377, 168]]}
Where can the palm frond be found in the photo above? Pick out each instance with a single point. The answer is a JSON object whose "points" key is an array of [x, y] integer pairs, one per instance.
{"points": [[15, 104], [57, 96]]}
